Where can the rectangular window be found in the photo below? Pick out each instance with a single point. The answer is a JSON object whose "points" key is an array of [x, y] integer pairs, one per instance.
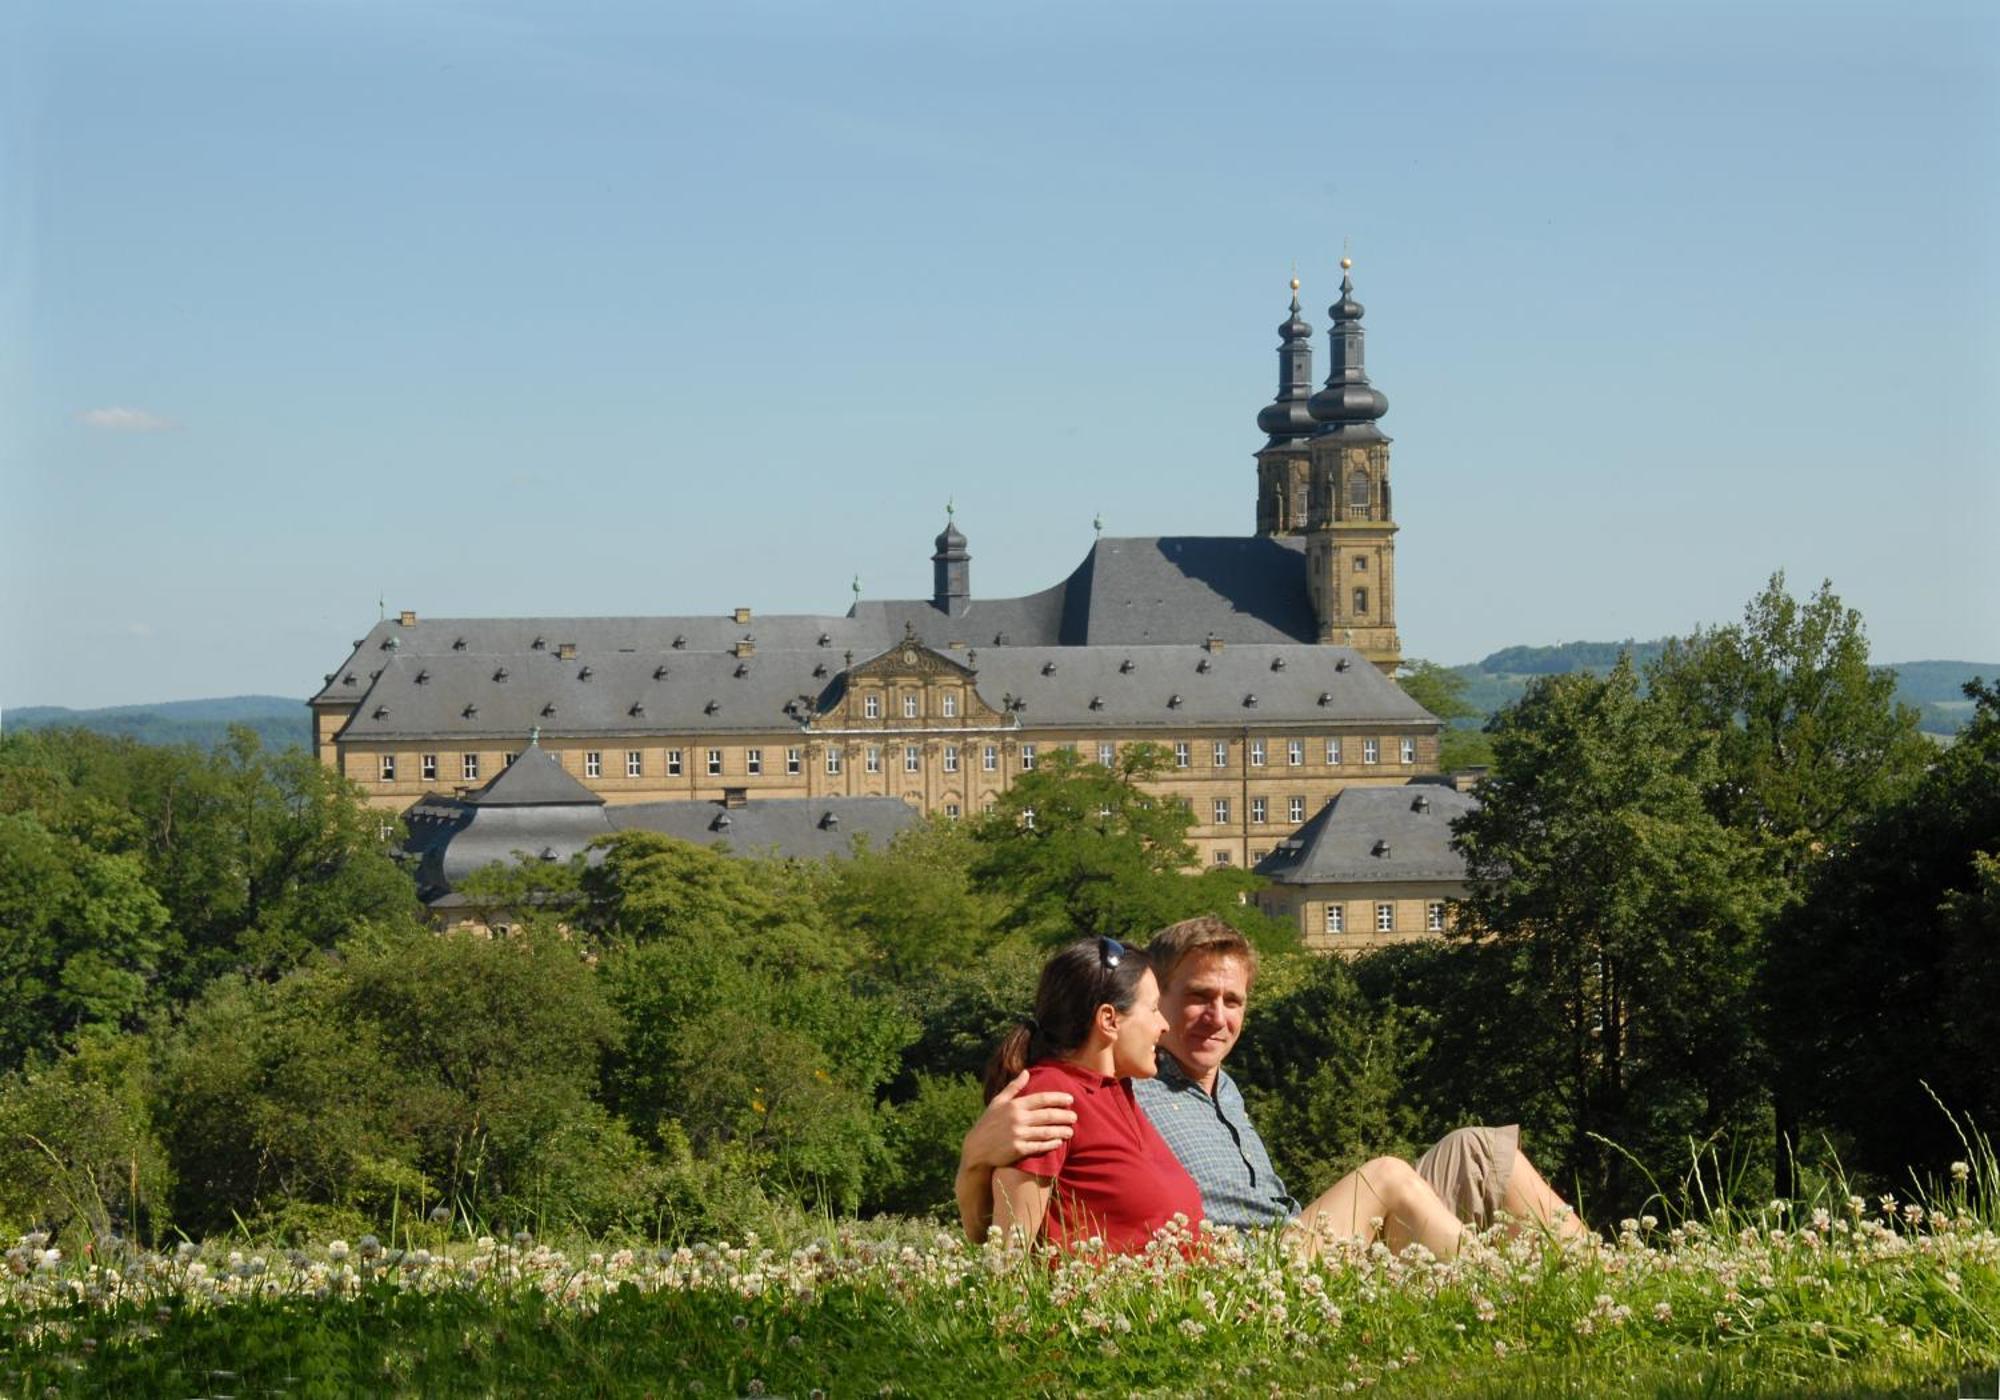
{"points": [[1434, 916], [593, 764], [468, 767], [1336, 919], [1371, 751], [1333, 753], [832, 759], [1221, 753], [1256, 753], [715, 763], [793, 761], [912, 758], [673, 763], [1409, 750], [1295, 752], [1182, 759], [871, 759], [508, 761], [753, 762], [1295, 809], [388, 768], [1385, 918], [1221, 855], [1258, 809], [951, 810], [989, 758], [1222, 811], [948, 704], [871, 706], [1027, 758], [951, 758], [635, 763], [1361, 600], [430, 766], [909, 704], [1028, 818], [1107, 755]]}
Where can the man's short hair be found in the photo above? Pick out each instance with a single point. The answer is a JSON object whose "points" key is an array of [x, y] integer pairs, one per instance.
{"points": [[1204, 933]]}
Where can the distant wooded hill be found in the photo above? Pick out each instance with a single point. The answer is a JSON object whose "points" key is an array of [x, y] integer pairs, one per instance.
{"points": [[1933, 687], [281, 721]]}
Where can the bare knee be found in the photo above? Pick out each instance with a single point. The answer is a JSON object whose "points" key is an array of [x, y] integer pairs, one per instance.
{"points": [[1391, 1180]]}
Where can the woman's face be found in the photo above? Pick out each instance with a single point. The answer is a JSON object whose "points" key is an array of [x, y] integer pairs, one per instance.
{"points": [[1139, 1032]]}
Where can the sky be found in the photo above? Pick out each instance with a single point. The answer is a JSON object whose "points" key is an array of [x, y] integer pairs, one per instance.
{"points": [[490, 308]]}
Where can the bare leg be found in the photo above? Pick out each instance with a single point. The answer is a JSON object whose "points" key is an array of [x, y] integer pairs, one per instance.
{"points": [[1530, 1198], [1388, 1190]]}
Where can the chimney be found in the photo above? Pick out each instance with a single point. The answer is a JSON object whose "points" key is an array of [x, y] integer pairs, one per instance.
{"points": [[743, 614], [406, 618], [1214, 643], [748, 646], [566, 651], [735, 796]]}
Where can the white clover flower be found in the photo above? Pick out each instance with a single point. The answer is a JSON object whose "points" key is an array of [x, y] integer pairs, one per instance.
{"points": [[337, 1250]]}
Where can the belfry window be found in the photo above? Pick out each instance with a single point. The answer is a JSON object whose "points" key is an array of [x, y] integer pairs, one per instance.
{"points": [[1360, 563], [1357, 496], [1360, 601]]}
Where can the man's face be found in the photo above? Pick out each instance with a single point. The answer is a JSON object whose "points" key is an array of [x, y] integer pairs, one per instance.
{"points": [[1204, 1010]]}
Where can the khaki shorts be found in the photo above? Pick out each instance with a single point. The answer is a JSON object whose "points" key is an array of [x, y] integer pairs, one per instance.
{"points": [[1469, 1168]]}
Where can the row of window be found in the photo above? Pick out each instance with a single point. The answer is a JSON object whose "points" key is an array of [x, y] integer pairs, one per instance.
{"points": [[1260, 810], [1258, 754], [913, 704], [872, 760], [1385, 917]]}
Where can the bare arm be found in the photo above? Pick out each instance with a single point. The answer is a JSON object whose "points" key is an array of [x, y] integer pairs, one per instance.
{"points": [[1020, 1202], [1013, 1126]]}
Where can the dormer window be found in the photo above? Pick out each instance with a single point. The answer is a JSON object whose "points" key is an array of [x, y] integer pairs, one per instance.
{"points": [[1277, 663], [380, 711], [679, 642], [423, 678], [659, 673], [500, 676], [1097, 702], [469, 712], [548, 709], [710, 708], [538, 645], [742, 670], [819, 671], [1173, 702], [1048, 668], [637, 711], [1201, 666], [584, 674], [826, 639], [1127, 666], [458, 645]]}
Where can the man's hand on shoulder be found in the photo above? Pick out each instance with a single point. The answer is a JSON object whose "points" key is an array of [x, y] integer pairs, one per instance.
{"points": [[1017, 1125]]}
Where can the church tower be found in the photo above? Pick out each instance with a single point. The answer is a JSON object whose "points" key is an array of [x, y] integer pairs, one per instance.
{"points": [[1351, 528], [1283, 463], [951, 570]]}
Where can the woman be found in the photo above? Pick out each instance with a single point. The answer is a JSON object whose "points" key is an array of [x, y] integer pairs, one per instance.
{"points": [[1097, 1022]]}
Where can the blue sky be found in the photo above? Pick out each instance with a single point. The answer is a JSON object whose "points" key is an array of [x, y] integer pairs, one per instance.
{"points": [[488, 308]]}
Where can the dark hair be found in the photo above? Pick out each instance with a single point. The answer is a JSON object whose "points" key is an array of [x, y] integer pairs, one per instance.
{"points": [[1204, 933], [1089, 973]]}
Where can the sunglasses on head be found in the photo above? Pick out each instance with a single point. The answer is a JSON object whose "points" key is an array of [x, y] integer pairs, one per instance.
{"points": [[1110, 951]]}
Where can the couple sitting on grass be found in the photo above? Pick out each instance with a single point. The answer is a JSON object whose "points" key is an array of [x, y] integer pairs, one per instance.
{"points": [[1109, 1113]]}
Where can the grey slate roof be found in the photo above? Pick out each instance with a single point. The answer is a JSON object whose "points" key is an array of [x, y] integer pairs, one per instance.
{"points": [[694, 693], [534, 779], [450, 838], [1161, 590], [1338, 844]]}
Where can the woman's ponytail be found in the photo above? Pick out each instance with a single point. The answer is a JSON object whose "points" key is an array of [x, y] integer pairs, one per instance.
{"points": [[1010, 1057]]}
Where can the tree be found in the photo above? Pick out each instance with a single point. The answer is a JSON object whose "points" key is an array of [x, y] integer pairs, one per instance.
{"points": [[1441, 690], [1882, 983], [1810, 742], [1629, 916], [1079, 849]]}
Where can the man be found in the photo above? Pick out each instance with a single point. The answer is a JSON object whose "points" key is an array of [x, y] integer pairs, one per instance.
{"points": [[1205, 969]]}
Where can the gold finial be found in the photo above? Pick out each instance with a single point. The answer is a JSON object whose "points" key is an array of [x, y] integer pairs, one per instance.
{"points": [[1346, 263], [1295, 284]]}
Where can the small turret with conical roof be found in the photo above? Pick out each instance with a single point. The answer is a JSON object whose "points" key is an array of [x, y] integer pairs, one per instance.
{"points": [[951, 569], [1282, 475]]}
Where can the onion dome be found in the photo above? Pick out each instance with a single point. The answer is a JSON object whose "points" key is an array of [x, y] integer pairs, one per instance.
{"points": [[1349, 405], [1286, 418]]}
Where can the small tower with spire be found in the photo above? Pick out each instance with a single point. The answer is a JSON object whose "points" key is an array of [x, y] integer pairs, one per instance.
{"points": [[1283, 462], [951, 570], [1351, 528]]}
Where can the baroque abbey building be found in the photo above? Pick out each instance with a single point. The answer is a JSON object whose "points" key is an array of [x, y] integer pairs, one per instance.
{"points": [[1263, 664]]}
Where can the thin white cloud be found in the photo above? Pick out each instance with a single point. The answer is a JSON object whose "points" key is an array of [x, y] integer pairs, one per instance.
{"points": [[125, 420]]}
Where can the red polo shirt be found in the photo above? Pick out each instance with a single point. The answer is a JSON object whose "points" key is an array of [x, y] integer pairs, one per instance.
{"points": [[1116, 1177]]}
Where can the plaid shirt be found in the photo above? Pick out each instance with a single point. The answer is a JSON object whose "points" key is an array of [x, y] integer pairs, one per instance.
{"points": [[1215, 1142]]}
